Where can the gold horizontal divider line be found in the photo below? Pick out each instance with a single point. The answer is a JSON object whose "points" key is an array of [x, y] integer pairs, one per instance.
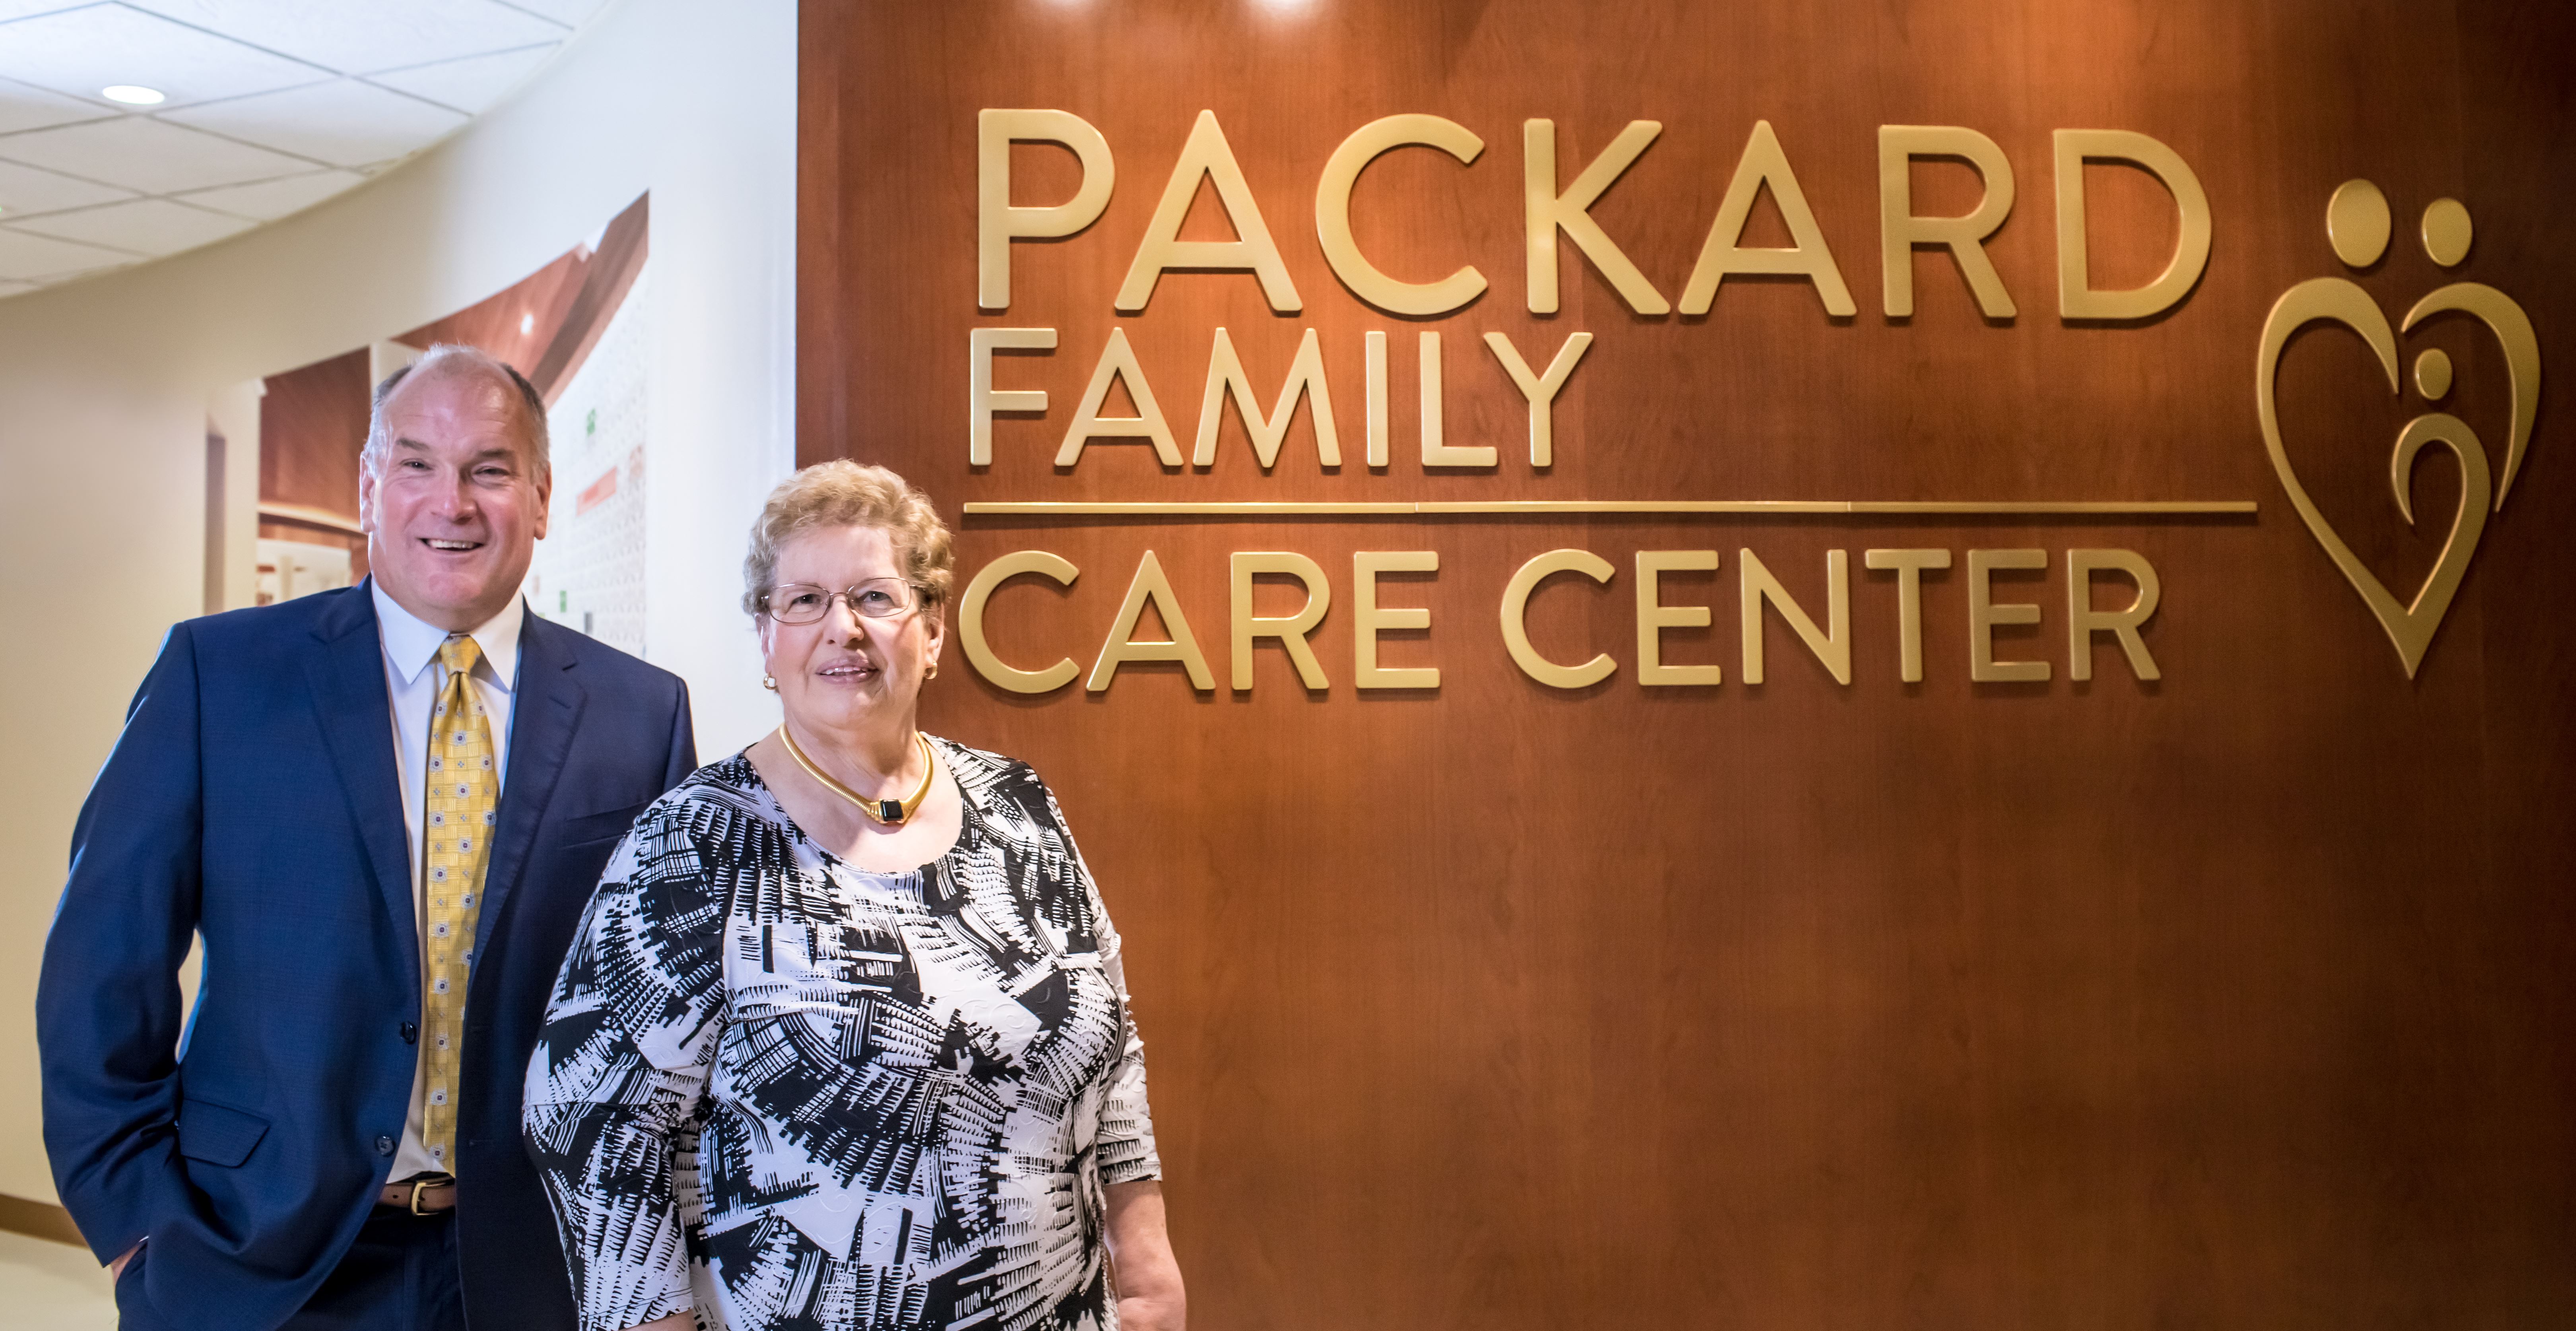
{"points": [[2073, 508], [1050, 508], [1506, 506]]}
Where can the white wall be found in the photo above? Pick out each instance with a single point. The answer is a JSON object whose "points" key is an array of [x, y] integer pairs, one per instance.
{"points": [[105, 386]]}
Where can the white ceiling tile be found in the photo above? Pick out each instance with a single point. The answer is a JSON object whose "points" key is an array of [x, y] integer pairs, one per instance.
{"points": [[269, 200], [474, 83], [144, 154], [24, 190], [343, 122], [570, 13], [24, 256], [23, 107], [256, 105], [146, 226], [361, 36], [18, 9], [80, 51]]}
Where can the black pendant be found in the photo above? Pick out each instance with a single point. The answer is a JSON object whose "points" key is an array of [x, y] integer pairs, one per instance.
{"points": [[890, 811]]}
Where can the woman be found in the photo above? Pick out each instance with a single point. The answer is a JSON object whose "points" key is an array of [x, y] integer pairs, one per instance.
{"points": [[843, 1041]]}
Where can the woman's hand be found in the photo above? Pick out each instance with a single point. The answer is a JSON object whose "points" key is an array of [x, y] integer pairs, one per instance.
{"points": [[1148, 1279]]}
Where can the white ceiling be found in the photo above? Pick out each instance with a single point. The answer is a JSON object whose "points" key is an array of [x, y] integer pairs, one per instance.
{"points": [[274, 106]]}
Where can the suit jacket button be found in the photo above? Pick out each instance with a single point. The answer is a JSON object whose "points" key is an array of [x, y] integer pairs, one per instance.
{"points": [[384, 1146], [410, 1033]]}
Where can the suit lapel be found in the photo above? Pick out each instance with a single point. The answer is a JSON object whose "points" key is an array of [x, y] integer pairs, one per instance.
{"points": [[542, 716], [347, 674]]}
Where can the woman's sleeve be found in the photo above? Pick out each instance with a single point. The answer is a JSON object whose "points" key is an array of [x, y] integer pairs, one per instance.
{"points": [[1127, 1153], [620, 1071]]}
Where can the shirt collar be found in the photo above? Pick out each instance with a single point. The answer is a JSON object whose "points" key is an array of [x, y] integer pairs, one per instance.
{"points": [[410, 644]]}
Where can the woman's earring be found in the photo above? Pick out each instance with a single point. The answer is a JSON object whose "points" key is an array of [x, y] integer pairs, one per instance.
{"points": [[934, 671], [769, 683]]}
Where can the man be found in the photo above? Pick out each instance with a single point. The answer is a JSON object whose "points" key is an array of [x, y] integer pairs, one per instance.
{"points": [[384, 809]]}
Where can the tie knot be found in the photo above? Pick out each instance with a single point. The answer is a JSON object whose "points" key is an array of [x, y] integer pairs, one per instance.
{"points": [[459, 654]]}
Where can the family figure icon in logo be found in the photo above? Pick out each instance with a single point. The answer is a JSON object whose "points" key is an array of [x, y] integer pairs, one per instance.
{"points": [[2357, 222]]}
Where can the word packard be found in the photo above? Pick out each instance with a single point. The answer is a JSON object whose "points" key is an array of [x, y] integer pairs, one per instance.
{"points": [[1550, 210]]}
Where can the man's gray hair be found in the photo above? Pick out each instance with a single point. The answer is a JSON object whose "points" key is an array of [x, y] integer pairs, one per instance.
{"points": [[452, 358]]}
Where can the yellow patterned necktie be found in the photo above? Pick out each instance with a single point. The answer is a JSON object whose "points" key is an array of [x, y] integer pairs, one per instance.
{"points": [[462, 809]]}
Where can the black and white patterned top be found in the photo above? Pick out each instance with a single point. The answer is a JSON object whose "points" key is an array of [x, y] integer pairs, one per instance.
{"points": [[793, 1093]]}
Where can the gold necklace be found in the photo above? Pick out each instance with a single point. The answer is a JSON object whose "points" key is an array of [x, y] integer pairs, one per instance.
{"points": [[884, 813]]}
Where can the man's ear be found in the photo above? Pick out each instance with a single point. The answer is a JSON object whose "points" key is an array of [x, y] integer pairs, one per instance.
{"points": [[366, 502], [545, 498]]}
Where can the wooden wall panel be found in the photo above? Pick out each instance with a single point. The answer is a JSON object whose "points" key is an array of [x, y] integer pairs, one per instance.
{"points": [[312, 426], [2237, 999]]}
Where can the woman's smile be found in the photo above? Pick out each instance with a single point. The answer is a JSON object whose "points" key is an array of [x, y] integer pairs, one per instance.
{"points": [[851, 670]]}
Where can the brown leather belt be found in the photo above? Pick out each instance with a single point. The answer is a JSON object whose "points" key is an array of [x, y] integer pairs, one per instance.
{"points": [[427, 1194]]}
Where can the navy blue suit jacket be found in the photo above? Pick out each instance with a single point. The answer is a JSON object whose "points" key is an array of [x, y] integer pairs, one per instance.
{"points": [[253, 798]]}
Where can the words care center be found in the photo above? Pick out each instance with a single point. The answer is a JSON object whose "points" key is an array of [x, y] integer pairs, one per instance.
{"points": [[1819, 612]]}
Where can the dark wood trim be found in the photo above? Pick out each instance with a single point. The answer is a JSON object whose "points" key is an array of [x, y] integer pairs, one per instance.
{"points": [[42, 1220], [827, 37]]}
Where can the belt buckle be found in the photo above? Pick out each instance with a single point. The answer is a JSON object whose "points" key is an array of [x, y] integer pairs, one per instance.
{"points": [[427, 1181]]}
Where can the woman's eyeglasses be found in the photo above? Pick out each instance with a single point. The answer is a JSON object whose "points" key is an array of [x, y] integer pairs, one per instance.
{"points": [[805, 602]]}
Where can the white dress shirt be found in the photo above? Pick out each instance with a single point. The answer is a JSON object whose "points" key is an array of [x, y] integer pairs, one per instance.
{"points": [[413, 680]]}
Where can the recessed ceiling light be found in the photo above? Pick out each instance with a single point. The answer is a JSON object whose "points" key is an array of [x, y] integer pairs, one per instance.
{"points": [[527, 324], [134, 95]]}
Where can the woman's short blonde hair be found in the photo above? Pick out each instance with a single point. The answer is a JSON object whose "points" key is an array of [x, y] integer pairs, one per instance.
{"points": [[842, 493]]}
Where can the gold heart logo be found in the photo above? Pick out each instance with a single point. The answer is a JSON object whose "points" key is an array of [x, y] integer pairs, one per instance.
{"points": [[2360, 237]]}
